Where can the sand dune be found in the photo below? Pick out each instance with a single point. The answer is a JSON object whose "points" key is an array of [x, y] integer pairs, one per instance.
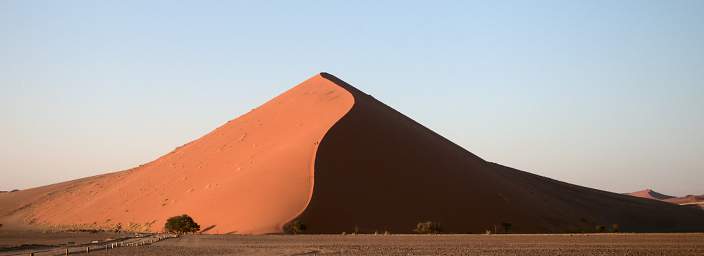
{"points": [[650, 194], [380, 170], [251, 175], [335, 158], [688, 200]]}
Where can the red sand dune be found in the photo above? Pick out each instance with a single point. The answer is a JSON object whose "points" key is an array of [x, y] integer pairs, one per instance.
{"points": [[650, 194], [251, 175], [335, 158], [688, 200]]}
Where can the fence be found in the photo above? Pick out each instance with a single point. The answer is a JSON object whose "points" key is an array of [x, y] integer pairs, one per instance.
{"points": [[107, 246]]}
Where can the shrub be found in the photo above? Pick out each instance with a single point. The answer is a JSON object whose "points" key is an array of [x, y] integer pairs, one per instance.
{"points": [[294, 227], [428, 227], [600, 228], [117, 228], [181, 225], [615, 228], [507, 227]]}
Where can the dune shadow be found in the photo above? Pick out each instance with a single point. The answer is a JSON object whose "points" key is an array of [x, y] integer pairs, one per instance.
{"points": [[207, 229]]}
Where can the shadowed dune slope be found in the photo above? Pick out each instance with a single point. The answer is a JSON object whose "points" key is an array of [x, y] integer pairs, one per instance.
{"points": [[378, 170], [251, 175]]}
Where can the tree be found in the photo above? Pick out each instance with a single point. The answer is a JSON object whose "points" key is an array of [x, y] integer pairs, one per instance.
{"points": [[181, 225]]}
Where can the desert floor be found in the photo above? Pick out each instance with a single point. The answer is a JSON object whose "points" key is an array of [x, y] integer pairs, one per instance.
{"points": [[581, 244]]}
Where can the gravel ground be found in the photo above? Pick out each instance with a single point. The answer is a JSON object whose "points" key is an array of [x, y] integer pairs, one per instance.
{"points": [[28, 239], [592, 244], [15, 238]]}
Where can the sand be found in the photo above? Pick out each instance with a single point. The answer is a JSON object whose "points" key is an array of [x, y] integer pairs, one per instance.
{"points": [[695, 201], [377, 170], [650, 194], [251, 175], [336, 159], [601, 244]]}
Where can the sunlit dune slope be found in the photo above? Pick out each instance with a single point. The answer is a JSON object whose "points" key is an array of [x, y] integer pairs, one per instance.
{"points": [[251, 175]]}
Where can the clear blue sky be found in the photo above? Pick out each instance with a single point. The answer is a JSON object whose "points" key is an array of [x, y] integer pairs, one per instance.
{"points": [[605, 94]]}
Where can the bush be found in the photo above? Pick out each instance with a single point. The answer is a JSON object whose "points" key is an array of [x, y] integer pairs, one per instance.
{"points": [[600, 228], [507, 227], [294, 227], [428, 227], [181, 225], [615, 228]]}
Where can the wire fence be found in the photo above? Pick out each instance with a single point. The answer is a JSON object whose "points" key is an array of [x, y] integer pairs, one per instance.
{"points": [[135, 241]]}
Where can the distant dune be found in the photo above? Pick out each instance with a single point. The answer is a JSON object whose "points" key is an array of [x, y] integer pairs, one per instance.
{"points": [[688, 200], [338, 160], [650, 194]]}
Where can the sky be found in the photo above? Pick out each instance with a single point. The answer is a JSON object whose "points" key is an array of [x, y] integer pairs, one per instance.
{"points": [[604, 94]]}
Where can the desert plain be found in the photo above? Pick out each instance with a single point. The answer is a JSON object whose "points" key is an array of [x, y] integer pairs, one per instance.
{"points": [[369, 244]]}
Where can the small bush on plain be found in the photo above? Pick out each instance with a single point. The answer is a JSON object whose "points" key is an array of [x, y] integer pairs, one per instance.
{"points": [[428, 227], [600, 228], [507, 227], [295, 227]]}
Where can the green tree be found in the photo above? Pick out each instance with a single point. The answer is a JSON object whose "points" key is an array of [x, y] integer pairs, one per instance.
{"points": [[181, 225]]}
